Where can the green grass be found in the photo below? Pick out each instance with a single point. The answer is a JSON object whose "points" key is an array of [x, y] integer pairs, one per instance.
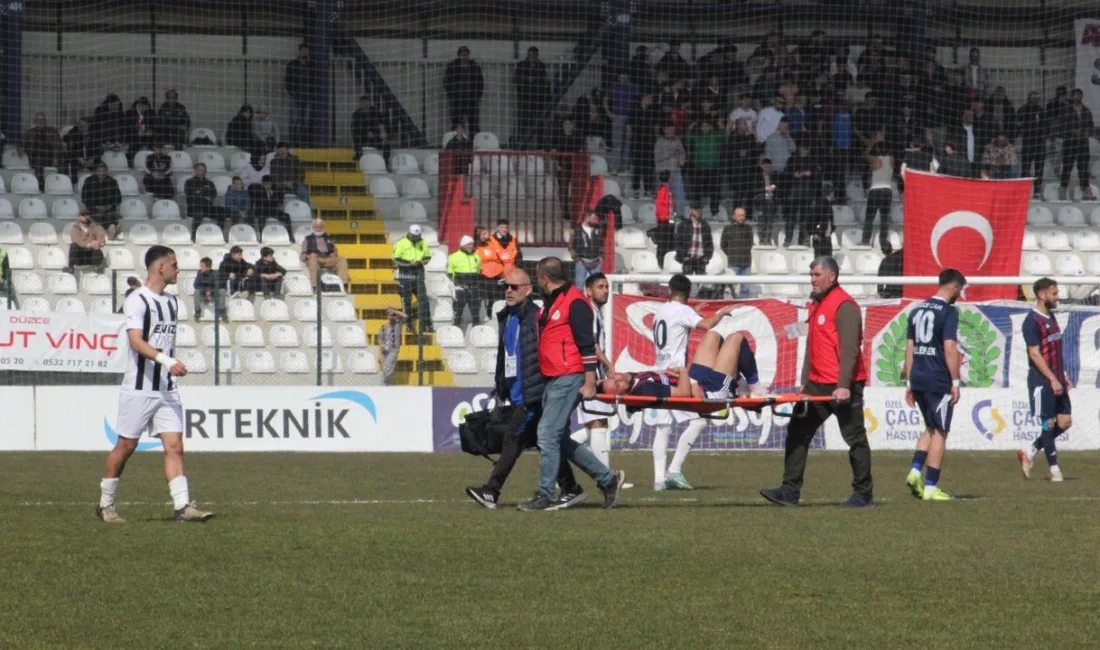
{"points": [[385, 551]]}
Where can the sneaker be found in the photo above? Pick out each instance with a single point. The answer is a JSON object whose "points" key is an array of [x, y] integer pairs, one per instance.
{"points": [[916, 485], [676, 481], [628, 486], [483, 496], [108, 515], [1025, 462], [573, 497], [859, 501], [659, 486], [932, 493], [1056, 477], [536, 504], [611, 492], [780, 496], [190, 513]]}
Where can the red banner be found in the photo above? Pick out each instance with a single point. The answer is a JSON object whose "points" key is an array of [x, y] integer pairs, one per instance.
{"points": [[974, 226]]}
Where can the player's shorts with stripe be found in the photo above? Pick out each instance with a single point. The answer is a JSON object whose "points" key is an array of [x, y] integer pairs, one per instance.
{"points": [[935, 408], [714, 384], [591, 410], [1045, 404], [149, 413]]}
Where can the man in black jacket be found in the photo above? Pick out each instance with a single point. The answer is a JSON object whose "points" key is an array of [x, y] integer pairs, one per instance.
{"points": [[1032, 123], [368, 129], [463, 85], [81, 148], [173, 121], [694, 243], [236, 274], [200, 193], [267, 204], [587, 248], [158, 180], [101, 196], [532, 92], [518, 380], [299, 85]]}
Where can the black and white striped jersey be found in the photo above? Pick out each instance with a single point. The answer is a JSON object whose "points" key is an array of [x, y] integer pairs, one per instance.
{"points": [[601, 342], [155, 316]]}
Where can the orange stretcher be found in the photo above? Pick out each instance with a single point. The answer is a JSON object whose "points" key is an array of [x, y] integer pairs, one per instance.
{"points": [[705, 406]]}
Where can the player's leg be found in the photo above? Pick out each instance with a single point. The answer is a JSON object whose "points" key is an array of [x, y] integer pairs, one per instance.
{"points": [[134, 415], [920, 456], [939, 420], [707, 351], [1062, 422], [599, 441], [168, 426], [674, 478], [1026, 455], [661, 433]]}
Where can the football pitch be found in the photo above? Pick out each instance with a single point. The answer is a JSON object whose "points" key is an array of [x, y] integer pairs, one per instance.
{"points": [[385, 551]]}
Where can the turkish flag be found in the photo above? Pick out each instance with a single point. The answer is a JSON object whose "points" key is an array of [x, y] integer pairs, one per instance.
{"points": [[974, 226]]}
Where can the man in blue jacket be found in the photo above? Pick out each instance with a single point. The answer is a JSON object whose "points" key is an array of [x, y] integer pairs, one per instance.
{"points": [[519, 381]]}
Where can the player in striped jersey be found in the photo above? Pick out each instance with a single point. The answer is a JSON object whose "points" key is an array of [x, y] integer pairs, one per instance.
{"points": [[149, 398], [595, 415]]}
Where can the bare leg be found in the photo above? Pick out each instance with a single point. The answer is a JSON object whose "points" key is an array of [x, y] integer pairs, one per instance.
{"points": [[173, 455], [116, 460], [707, 352], [726, 363]]}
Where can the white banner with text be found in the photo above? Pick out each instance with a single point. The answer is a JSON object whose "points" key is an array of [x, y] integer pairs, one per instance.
{"points": [[62, 342]]}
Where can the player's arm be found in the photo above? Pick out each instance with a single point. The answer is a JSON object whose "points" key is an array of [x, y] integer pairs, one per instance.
{"points": [[908, 369], [580, 322], [708, 323], [951, 351], [1035, 355], [134, 310]]}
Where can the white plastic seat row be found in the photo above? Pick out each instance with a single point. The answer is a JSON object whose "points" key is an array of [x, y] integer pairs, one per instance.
{"points": [[291, 362]]}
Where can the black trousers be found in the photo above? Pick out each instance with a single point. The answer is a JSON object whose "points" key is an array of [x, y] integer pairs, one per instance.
{"points": [[878, 202], [1033, 156], [526, 423], [414, 286], [84, 256], [801, 431], [707, 183], [1075, 151], [467, 294]]}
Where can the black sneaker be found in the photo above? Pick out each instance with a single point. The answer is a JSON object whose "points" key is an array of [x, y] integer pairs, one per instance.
{"points": [[780, 496], [573, 497], [611, 492], [484, 496], [858, 500], [536, 504]]}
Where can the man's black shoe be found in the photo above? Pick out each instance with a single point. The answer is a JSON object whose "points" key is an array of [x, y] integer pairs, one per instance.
{"points": [[611, 492], [573, 497], [536, 504], [780, 496], [858, 500], [484, 496]]}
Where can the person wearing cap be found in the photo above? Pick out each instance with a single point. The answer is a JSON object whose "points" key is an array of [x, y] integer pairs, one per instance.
{"points": [[389, 340], [463, 84], [464, 269], [410, 253], [319, 252], [88, 240], [264, 128]]}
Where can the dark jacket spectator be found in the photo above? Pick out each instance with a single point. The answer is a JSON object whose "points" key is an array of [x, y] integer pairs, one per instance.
{"points": [[368, 129], [199, 192], [609, 206], [892, 266], [173, 120], [954, 163], [820, 222], [236, 271], [309, 245], [674, 64], [158, 179], [461, 148], [269, 275], [736, 242], [81, 149], [141, 126], [109, 122], [532, 83], [685, 231], [585, 246], [463, 84], [1001, 113], [43, 145], [298, 78], [267, 204], [100, 191], [287, 171], [239, 132], [641, 73]]}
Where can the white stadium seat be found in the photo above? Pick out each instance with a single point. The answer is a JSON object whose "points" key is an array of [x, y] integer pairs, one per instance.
{"points": [[413, 188], [115, 161], [297, 284], [289, 258], [1031, 241], [403, 163], [185, 336], [188, 259], [298, 211], [42, 234], [11, 159], [244, 234], [597, 165], [1069, 265], [36, 304], [240, 310], [6, 209], [443, 312], [143, 234], [120, 258], [275, 235], [61, 284], [210, 234], [413, 211], [249, 335], [843, 215], [213, 160], [867, 263], [718, 263], [487, 361], [431, 164], [372, 163], [309, 336], [1055, 240], [772, 263], [259, 362], [450, 336], [283, 336], [128, 185], [294, 362], [182, 163], [133, 210], [351, 336], [1093, 264], [20, 259], [485, 141], [70, 305], [32, 207], [238, 160], [612, 187], [1094, 218], [331, 362], [1039, 215], [633, 238], [104, 306], [166, 210], [193, 361], [1071, 216], [340, 311], [95, 284], [670, 264], [201, 133], [10, 233], [851, 239], [139, 159], [461, 362], [1086, 241], [483, 336], [1077, 195], [221, 183], [59, 185], [24, 183], [438, 262], [228, 362], [644, 262], [305, 310], [1036, 264], [65, 209], [363, 362], [224, 338]]}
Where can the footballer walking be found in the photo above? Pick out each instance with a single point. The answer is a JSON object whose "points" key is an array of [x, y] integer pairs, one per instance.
{"points": [[149, 398]]}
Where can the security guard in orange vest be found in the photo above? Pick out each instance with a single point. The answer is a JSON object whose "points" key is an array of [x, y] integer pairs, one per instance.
{"points": [[833, 366], [499, 254]]}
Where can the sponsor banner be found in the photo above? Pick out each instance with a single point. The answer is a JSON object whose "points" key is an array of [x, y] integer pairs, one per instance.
{"points": [[449, 409], [17, 405], [974, 226], [984, 419], [290, 418], [741, 429], [62, 342], [1087, 33], [993, 348]]}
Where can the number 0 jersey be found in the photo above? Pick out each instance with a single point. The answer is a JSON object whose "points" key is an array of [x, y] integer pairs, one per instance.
{"points": [[671, 329], [155, 315], [932, 323]]}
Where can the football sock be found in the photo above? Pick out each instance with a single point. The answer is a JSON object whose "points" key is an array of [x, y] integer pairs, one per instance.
{"points": [[932, 477], [581, 437], [660, 451], [746, 363], [108, 487], [600, 444], [683, 446], [1033, 448], [1054, 469], [177, 487], [1047, 440], [919, 457]]}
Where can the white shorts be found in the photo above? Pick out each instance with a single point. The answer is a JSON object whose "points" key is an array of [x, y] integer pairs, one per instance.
{"points": [[599, 411], [150, 413]]}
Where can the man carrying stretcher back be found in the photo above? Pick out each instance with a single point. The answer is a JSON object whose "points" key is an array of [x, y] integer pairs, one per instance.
{"points": [[712, 375]]}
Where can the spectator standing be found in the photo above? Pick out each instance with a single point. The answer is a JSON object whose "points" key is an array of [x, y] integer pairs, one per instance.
{"points": [[673, 64], [389, 340], [141, 127], [7, 291], [464, 269], [173, 121], [1032, 124], [765, 201], [461, 148], [81, 149], [664, 233], [532, 82], [101, 197], [88, 240], [768, 119], [265, 130], [239, 131], [505, 246], [109, 123], [694, 243], [200, 192], [891, 266], [236, 274], [409, 254], [641, 74], [587, 247], [368, 129], [779, 147], [1001, 112], [269, 275], [736, 242], [741, 155], [255, 171], [670, 156], [820, 223], [463, 84], [208, 293], [43, 146], [1075, 125], [287, 171], [238, 202], [300, 85], [805, 174], [319, 252], [567, 141], [975, 76], [705, 145], [999, 159], [842, 141], [643, 137], [954, 163], [267, 205], [623, 97], [881, 195], [744, 111], [158, 176]]}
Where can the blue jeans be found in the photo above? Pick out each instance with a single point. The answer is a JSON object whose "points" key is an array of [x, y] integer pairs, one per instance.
{"points": [[620, 146], [559, 400], [581, 274], [742, 289], [302, 192], [679, 194]]}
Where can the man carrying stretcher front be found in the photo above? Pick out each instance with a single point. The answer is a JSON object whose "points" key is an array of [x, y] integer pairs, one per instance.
{"points": [[712, 375]]}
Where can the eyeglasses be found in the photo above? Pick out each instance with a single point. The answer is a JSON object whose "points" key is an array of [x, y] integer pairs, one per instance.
{"points": [[515, 287]]}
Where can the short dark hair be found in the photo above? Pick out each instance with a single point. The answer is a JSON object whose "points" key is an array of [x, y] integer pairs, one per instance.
{"points": [[680, 285], [503, 222], [1042, 284], [207, 261], [236, 178], [266, 250], [593, 279], [696, 205], [157, 253], [952, 276], [236, 249], [552, 269], [664, 176], [133, 282], [282, 144], [362, 97]]}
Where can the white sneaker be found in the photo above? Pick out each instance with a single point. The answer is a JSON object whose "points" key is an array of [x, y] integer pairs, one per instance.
{"points": [[658, 486], [1025, 462], [1056, 477]]}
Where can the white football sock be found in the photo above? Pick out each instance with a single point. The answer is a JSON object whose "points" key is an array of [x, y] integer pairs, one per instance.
{"points": [[580, 437], [683, 446], [108, 487], [660, 451], [177, 487], [1031, 450], [600, 443]]}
